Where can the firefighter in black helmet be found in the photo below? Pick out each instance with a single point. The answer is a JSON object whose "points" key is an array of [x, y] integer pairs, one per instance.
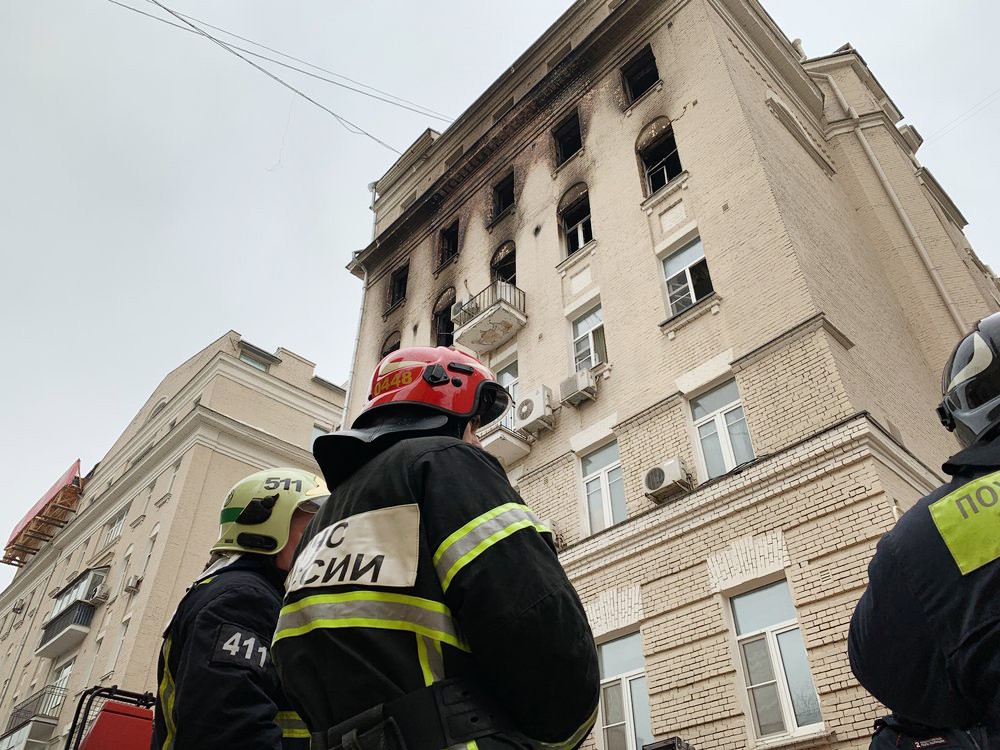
{"points": [[217, 687], [925, 637], [427, 608]]}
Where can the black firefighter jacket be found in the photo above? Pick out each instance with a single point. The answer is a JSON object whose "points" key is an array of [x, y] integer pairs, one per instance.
{"points": [[217, 686], [425, 565], [925, 637]]}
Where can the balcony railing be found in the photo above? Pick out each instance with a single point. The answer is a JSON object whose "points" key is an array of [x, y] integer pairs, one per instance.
{"points": [[45, 704], [490, 318], [71, 625]]}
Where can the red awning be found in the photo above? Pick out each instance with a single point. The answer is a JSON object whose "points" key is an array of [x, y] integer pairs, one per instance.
{"points": [[66, 479]]}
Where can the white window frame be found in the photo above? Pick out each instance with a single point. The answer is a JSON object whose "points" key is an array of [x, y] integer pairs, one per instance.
{"points": [[771, 633], [602, 475], [150, 547], [113, 526], [719, 417], [592, 353], [511, 388], [577, 229], [686, 270], [123, 576], [624, 680]]}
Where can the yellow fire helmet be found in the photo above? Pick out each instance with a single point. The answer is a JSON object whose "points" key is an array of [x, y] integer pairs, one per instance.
{"points": [[258, 510]]}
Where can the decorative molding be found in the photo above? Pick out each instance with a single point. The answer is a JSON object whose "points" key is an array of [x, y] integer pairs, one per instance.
{"points": [[786, 117], [747, 559], [614, 609], [163, 499]]}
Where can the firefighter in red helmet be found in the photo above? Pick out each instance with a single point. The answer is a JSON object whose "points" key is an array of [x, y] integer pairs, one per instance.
{"points": [[426, 607]]}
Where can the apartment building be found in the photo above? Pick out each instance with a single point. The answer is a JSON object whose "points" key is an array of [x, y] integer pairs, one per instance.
{"points": [[104, 558], [721, 287]]}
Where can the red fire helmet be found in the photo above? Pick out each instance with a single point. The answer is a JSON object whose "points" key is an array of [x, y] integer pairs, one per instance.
{"points": [[446, 380]]}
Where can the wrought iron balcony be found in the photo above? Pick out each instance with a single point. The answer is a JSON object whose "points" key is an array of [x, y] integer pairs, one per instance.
{"points": [[504, 441], [66, 630], [489, 319], [45, 704]]}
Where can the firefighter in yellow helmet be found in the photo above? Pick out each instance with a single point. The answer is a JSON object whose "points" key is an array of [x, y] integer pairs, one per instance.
{"points": [[217, 687]]}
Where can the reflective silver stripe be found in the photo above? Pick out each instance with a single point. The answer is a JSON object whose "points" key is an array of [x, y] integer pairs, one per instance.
{"points": [[431, 659], [456, 552], [369, 609]]}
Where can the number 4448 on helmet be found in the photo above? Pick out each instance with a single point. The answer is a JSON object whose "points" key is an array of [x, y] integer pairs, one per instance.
{"points": [[258, 510]]}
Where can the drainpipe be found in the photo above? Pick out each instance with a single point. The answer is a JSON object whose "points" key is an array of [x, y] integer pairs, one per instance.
{"points": [[911, 231], [372, 187]]}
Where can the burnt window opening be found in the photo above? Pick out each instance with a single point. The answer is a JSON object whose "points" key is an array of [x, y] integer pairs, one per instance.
{"points": [[448, 244], [660, 161], [442, 327], [397, 286], [567, 137], [503, 266], [391, 343], [639, 74], [576, 224], [503, 195]]}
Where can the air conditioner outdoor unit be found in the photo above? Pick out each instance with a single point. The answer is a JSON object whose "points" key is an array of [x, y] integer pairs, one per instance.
{"points": [[464, 309], [132, 584], [668, 478], [18, 607], [534, 412], [578, 387], [101, 593]]}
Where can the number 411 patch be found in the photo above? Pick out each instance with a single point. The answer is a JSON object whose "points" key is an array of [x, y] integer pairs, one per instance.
{"points": [[239, 646]]}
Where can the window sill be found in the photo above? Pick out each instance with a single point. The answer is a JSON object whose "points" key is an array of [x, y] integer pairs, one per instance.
{"points": [[678, 183], [658, 86], [569, 159], [799, 742], [672, 325], [500, 217], [445, 264], [163, 500], [138, 521], [392, 308], [584, 252]]}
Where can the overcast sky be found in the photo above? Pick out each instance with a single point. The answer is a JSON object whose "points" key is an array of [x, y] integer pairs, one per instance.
{"points": [[156, 191]]}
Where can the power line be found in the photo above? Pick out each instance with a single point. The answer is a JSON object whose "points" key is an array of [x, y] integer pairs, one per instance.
{"points": [[347, 124], [964, 117], [318, 67], [417, 108]]}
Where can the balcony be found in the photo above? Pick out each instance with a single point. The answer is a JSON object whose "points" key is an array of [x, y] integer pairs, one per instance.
{"points": [[66, 630], [489, 319], [32, 720], [507, 444]]}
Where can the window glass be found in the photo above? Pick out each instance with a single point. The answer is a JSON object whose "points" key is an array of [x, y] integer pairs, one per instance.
{"points": [[640, 711], [600, 458], [586, 323], [253, 362], [711, 449], [805, 702], [683, 258], [616, 486], [763, 607], [620, 656], [736, 425], [715, 399]]}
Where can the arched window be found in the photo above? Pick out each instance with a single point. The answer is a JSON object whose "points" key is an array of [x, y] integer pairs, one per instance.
{"points": [[442, 326], [503, 266], [657, 150], [391, 343], [574, 218]]}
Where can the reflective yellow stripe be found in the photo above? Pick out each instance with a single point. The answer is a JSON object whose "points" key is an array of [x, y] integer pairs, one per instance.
{"points": [[968, 520], [574, 739], [291, 725], [478, 535], [430, 658], [166, 692], [369, 609]]}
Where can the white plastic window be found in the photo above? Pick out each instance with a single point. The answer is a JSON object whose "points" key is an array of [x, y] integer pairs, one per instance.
{"points": [[723, 437], [687, 277], [507, 377], [604, 487], [589, 346], [779, 686], [113, 528], [624, 713]]}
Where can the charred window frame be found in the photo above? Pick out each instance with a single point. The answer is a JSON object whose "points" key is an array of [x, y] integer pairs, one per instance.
{"points": [[448, 243], [397, 286], [503, 196], [391, 343], [576, 224], [568, 138], [503, 265], [661, 161], [639, 74], [442, 326]]}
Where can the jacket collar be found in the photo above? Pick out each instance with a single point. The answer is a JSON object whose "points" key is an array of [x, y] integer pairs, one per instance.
{"points": [[984, 454]]}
